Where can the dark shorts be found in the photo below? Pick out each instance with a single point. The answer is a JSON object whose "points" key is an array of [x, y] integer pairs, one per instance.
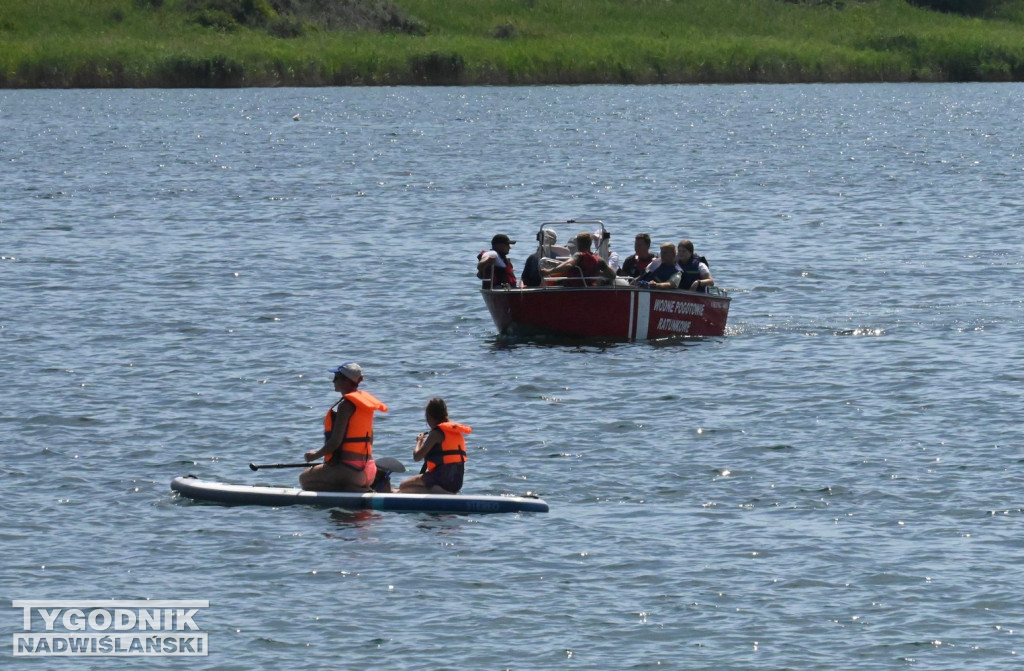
{"points": [[446, 476]]}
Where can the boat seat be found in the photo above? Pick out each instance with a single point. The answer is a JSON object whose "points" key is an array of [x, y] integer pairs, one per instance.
{"points": [[574, 277], [560, 252], [548, 263]]}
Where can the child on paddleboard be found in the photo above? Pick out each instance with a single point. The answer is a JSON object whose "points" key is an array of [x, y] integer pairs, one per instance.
{"points": [[443, 451]]}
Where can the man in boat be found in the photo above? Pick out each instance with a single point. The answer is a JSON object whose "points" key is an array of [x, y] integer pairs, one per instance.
{"points": [[545, 251], [584, 269], [663, 272], [348, 438], [635, 265], [696, 276], [494, 267]]}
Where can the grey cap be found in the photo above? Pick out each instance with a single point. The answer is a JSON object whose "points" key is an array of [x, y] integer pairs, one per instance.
{"points": [[350, 370]]}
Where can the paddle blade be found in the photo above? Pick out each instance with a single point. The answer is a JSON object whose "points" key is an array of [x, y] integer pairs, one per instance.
{"points": [[390, 464]]}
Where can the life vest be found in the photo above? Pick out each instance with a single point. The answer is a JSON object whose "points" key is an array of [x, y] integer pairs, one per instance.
{"points": [[504, 275], [357, 445], [451, 450], [498, 275], [691, 273], [586, 263], [641, 264], [663, 273], [634, 266]]}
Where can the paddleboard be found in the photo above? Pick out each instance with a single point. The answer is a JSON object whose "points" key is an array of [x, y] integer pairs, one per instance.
{"points": [[261, 495]]}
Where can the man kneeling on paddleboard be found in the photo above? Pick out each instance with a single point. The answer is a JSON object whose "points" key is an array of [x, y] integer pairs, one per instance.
{"points": [[348, 438]]}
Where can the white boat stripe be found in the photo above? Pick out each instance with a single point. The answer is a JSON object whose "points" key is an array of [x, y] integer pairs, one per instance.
{"points": [[643, 316], [632, 310]]}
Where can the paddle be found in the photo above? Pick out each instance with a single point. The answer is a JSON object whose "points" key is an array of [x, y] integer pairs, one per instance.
{"points": [[390, 464], [306, 464], [385, 463]]}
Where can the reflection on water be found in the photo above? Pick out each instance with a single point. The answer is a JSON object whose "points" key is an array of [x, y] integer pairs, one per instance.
{"points": [[360, 521], [500, 342]]}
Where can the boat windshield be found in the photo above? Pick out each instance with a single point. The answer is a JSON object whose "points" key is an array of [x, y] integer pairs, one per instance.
{"points": [[557, 239]]}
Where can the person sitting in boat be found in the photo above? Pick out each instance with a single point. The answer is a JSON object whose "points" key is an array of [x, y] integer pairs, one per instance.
{"points": [[443, 452], [696, 276], [662, 273], [603, 243], [494, 267], [635, 265], [545, 256], [348, 438], [584, 269]]}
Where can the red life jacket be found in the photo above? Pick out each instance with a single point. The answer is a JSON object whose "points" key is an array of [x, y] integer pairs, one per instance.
{"points": [[586, 263], [451, 450], [507, 277], [641, 264], [498, 275], [357, 446]]}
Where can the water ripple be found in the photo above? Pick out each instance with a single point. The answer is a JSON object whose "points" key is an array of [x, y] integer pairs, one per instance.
{"points": [[833, 483]]}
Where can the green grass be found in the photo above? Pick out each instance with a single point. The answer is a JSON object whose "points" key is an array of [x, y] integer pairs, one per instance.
{"points": [[132, 43]]}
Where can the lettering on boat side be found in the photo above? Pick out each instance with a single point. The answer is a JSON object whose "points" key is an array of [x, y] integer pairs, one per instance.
{"points": [[678, 307], [673, 325], [110, 628], [483, 506]]}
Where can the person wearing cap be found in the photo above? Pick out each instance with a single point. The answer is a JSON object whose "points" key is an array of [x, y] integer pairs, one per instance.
{"points": [[583, 268], [348, 438], [531, 269], [494, 267], [635, 265]]}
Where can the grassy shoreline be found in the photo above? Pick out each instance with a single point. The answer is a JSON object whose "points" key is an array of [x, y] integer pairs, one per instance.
{"points": [[161, 43]]}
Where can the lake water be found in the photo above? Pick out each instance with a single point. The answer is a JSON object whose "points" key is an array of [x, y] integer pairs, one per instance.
{"points": [[837, 483]]}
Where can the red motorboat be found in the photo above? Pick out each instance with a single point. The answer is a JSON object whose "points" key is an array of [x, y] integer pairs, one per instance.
{"points": [[618, 310]]}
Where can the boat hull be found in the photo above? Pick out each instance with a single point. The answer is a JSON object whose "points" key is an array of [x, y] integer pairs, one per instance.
{"points": [[259, 495], [614, 312]]}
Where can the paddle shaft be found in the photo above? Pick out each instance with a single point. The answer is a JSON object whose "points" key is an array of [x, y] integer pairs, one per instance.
{"points": [[307, 464], [387, 463]]}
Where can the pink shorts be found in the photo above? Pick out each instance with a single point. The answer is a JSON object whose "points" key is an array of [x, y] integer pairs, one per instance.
{"points": [[370, 470]]}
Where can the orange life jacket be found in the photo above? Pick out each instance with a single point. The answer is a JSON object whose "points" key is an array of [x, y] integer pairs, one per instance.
{"points": [[357, 446], [452, 449]]}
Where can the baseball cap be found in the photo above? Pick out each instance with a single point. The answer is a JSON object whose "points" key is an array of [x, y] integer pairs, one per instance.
{"points": [[350, 370], [501, 238]]}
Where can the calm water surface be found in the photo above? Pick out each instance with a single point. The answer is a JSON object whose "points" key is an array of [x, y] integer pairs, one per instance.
{"points": [[834, 484]]}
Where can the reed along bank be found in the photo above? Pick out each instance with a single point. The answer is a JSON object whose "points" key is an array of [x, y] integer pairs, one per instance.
{"points": [[238, 43]]}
